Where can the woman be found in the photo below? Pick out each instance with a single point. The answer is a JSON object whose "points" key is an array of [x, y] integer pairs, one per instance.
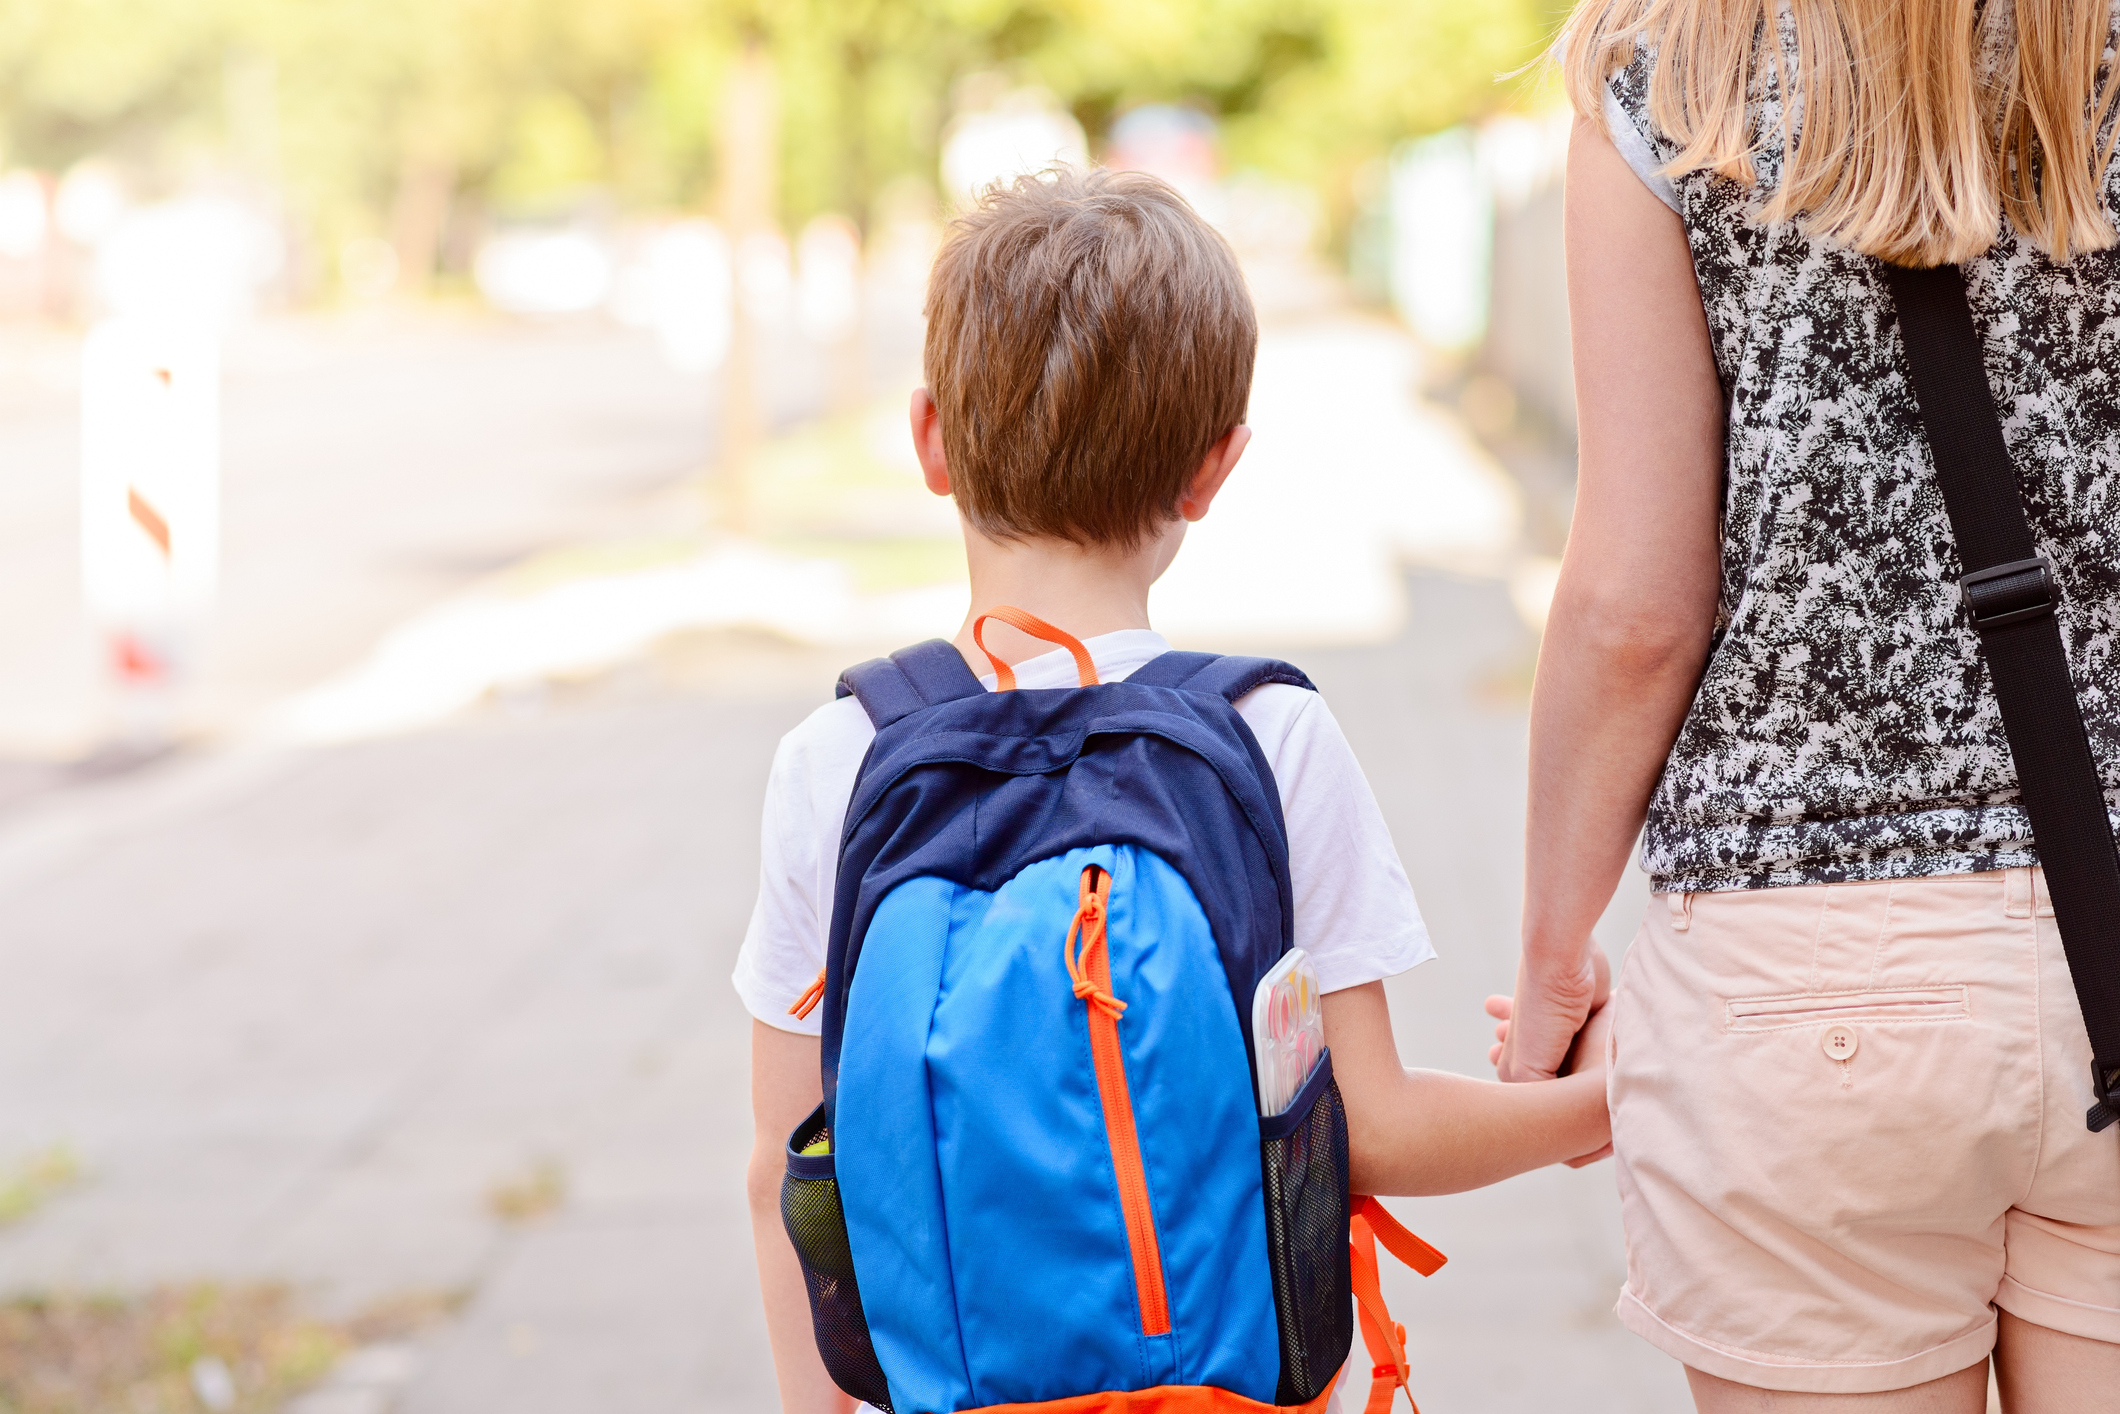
{"points": [[1850, 1072]]}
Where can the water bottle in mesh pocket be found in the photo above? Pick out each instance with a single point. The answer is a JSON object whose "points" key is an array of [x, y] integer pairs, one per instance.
{"points": [[1303, 1152], [817, 1228]]}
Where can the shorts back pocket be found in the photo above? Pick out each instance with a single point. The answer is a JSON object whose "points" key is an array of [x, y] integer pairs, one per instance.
{"points": [[1776, 1013]]}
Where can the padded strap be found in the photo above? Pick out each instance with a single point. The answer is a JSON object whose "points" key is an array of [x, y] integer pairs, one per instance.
{"points": [[2011, 595], [925, 675], [1225, 677]]}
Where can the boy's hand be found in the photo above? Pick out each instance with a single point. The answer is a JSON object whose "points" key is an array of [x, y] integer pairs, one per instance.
{"points": [[1591, 1051], [1498, 1006]]}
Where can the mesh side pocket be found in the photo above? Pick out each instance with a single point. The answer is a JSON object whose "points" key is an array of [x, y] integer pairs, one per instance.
{"points": [[1303, 1152], [817, 1227]]}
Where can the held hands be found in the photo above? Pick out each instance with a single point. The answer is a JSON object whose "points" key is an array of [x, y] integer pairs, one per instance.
{"points": [[1584, 1048], [1587, 1053], [1543, 1022]]}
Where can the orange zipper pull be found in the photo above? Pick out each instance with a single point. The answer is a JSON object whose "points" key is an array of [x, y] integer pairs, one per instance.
{"points": [[811, 996], [1092, 976], [1088, 929]]}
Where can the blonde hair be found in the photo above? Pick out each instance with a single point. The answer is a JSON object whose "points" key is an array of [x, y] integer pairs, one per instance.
{"points": [[1909, 127], [1089, 339]]}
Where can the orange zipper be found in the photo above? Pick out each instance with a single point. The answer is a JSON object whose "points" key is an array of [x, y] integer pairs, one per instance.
{"points": [[1091, 972]]}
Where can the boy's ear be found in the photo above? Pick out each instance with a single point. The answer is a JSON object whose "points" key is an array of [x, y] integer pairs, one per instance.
{"points": [[1215, 467], [927, 443]]}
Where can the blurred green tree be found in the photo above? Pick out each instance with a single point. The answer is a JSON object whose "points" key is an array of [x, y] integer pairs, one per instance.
{"points": [[416, 119]]}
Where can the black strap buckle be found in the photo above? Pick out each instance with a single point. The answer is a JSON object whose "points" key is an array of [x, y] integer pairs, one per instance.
{"points": [[2011, 593], [2105, 1079]]}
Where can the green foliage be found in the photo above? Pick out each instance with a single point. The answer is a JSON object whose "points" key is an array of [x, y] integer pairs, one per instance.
{"points": [[519, 104], [75, 74], [553, 146]]}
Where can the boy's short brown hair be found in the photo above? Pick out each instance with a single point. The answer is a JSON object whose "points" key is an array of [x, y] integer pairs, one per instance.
{"points": [[1089, 339]]}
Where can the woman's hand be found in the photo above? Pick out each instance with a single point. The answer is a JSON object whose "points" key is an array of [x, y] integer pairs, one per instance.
{"points": [[1568, 1017]]}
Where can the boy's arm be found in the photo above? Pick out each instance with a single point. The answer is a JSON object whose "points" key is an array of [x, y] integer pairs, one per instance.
{"points": [[1419, 1132], [784, 1088]]}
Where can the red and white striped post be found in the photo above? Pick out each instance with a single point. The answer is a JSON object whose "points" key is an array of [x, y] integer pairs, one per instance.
{"points": [[150, 510]]}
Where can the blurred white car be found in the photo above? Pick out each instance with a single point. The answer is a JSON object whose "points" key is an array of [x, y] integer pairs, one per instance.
{"points": [[564, 271]]}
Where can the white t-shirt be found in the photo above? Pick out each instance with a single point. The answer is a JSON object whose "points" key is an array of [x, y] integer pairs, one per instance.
{"points": [[1355, 912]]}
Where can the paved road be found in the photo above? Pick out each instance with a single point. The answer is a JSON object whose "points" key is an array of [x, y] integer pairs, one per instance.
{"points": [[302, 1011]]}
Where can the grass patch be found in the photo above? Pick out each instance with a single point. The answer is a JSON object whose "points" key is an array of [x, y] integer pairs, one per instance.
{"points": [[534, 1193], [26, 1184], [881, 566], [201, 1349]]}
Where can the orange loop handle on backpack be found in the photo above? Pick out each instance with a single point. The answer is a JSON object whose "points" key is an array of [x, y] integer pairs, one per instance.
{"points": [[1004, 675], [1384, 1338], [1396, 1239]]}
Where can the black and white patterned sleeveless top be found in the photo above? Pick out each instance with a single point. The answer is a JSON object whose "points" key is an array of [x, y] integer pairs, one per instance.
{"points": [[1844, 728]]}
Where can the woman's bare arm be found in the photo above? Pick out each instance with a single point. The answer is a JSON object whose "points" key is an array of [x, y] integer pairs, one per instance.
{"points": [[1632, 617]]}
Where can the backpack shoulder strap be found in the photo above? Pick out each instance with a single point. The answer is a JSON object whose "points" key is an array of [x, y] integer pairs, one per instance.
{"points": [[1226, 677], [2010, 593], [924, 675]]}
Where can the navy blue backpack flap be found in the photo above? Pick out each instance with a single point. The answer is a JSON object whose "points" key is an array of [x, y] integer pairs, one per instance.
{"points": [[1040, 1135]]}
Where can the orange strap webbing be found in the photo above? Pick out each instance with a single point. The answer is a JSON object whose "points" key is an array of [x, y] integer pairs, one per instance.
{"points": [[1368, 1224], [811, 996], [1004, 675]]}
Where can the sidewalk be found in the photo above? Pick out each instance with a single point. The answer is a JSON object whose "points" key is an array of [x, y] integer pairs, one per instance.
{"points": [[301, 1025]]}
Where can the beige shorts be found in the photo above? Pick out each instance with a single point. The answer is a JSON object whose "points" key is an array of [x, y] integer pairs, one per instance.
{"points": [[1849, 1124]]}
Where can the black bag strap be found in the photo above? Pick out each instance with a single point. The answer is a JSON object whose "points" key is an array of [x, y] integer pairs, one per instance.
{"points": [[2010, 592]]}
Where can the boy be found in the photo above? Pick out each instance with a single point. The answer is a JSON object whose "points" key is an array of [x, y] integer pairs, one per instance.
{"points": [[1089, 357]]}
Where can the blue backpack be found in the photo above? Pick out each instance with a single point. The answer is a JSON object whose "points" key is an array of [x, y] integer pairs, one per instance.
{"points": [[1040, 1147]]}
